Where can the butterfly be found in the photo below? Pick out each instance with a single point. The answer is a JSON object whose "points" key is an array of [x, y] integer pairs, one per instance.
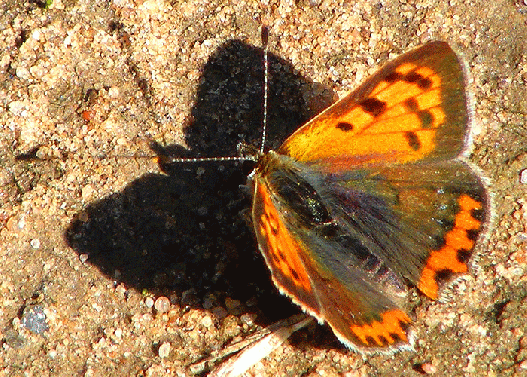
{"points": [[374, 196]]}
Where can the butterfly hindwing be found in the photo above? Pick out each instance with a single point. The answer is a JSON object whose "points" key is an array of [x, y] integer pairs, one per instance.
{"points": [[422, 219]]}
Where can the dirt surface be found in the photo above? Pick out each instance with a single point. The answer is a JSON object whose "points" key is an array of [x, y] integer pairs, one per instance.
{"points": [[112, 267]]}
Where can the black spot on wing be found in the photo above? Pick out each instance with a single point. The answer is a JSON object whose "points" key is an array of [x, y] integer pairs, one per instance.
{"points": [[478, 214], [275, 258], [426, 118], [438, 242], [373, 106], [370, 341], [473, 234], [447, 224], [413, 140], [411, 77], [372, 264], [443, 275], [384, 341], [421, 81], [274, 229], [355, 246], [382, 271], [345, 126], [411, 104], [463, 256], [392, 77], [295, 274], [396, 337]]}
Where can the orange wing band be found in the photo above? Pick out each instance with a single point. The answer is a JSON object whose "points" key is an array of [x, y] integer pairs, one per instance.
{"points": [[390, 330], [456, 240], [282, 255]]}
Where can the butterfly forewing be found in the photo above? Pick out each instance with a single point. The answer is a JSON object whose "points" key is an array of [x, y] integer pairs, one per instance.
{"points": [[282, 253], [310, 263], [414, 108]]}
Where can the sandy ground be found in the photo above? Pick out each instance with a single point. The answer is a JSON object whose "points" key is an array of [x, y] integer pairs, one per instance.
{"points": [[111, 267]]}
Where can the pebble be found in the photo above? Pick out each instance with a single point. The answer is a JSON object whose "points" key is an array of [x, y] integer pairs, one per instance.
{"points": [[523, 176], [149, 302], [164, 350], [162, 304], [34, 319]]}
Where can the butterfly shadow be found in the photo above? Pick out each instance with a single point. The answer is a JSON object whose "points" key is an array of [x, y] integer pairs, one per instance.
{"points": [[187, 231]]}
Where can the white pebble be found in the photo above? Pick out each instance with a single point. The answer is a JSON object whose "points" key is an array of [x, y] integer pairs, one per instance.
{"points": [[523, 176], [149, 302], [164, 350]]}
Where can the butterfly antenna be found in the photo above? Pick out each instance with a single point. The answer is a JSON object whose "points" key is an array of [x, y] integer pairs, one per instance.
{"points": [[204, 159], [265, 43], [247, 153]]}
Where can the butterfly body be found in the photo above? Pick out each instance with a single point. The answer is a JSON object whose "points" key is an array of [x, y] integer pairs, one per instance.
{"points": [[373, 196]]}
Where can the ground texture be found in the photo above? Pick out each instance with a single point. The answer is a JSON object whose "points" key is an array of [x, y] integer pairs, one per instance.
{"points": [[111, 266]]}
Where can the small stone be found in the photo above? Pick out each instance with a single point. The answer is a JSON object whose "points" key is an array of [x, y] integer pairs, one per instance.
{"points": [[233, 306], [207, 322], [35, 243], [22, 223], [87, 192], [149, 302], [23, 73], [220, 312], [164, 350], [428, 368], [17, 108], [13, 339], [189, 298], [174, 299], [113, 92], [34, 319], [162, 304], [208, 303], [248, 319], [523, 176]]}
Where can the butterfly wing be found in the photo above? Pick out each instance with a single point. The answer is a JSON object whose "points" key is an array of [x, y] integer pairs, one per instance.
{"points": [[414, 108], [421, 219], [317, 277]]}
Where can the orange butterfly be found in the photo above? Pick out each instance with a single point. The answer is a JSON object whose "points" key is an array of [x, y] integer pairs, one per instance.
{"points": [[373, 196]]}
